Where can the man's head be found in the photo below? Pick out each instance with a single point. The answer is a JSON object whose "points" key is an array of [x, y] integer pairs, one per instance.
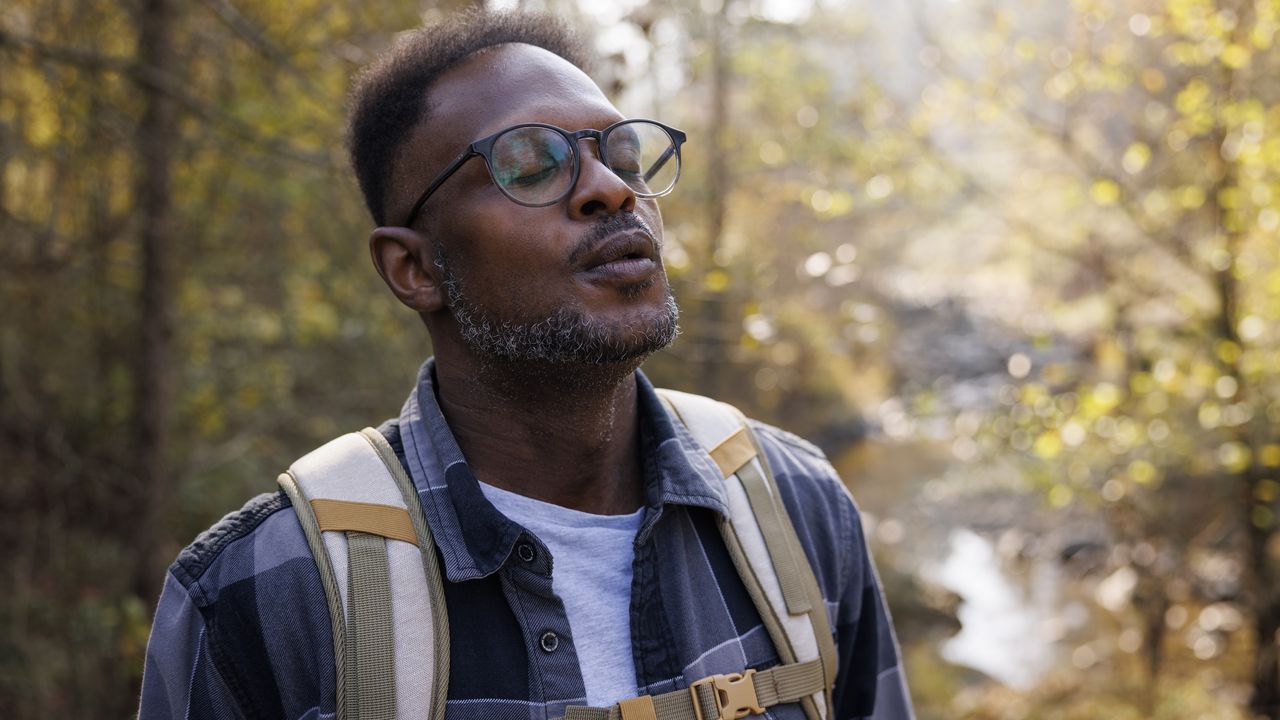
{"points": [[391, 95], [576, 281]]}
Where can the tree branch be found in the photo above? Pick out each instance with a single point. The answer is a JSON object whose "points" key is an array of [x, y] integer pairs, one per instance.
{"points": [[160, 80]]}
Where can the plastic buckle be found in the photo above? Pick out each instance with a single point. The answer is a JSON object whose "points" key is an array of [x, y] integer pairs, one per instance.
{"points": [[735, 696]]}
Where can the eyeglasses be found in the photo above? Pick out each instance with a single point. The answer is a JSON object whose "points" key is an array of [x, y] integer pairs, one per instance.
{"points": [[537, 165]]}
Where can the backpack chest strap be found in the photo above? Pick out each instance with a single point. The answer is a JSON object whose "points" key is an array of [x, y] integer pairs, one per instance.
{"points": [[718, 697]]}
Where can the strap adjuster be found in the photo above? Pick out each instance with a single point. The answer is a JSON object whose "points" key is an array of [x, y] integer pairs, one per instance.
{"points": [[735, 696]]}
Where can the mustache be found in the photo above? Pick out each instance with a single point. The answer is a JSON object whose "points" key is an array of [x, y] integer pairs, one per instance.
{"points": [[609, 226]]}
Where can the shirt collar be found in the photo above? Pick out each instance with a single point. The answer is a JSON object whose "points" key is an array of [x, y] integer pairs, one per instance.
{"points": [[475, 539]]}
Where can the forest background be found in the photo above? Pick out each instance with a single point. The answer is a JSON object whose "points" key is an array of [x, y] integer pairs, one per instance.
{"points": [[1014, 265]]}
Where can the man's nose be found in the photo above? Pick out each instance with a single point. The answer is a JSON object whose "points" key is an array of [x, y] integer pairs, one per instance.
{"points": [[599, 190]]}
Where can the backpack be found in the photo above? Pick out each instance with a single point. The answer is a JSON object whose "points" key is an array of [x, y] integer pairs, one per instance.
{"points": [[379, 569]]}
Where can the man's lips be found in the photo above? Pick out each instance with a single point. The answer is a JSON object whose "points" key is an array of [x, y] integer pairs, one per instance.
{"points": [[629, 270], [628, 256]]}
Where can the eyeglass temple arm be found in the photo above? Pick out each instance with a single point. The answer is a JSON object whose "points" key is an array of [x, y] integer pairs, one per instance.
{"points": [[453, 168], [661, 161]]}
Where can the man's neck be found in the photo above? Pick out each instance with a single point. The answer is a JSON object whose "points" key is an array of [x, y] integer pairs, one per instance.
{"points": [[567, 435]]}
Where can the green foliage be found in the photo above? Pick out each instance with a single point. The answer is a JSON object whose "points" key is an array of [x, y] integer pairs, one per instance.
{"points": [[1032, 249], [269, 305]]}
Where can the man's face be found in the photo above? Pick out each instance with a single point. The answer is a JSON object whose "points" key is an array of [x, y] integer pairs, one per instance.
{"points": [[545, 283]]}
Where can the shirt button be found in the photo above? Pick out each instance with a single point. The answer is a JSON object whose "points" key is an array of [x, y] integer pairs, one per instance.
{"points": [[550, 641], [526, 552]]}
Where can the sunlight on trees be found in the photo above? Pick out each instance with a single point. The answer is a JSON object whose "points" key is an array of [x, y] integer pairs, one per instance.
{"points": [[1014, 265]]}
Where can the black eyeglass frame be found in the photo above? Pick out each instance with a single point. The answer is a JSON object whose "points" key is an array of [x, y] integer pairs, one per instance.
{"points": [[484, 148]]}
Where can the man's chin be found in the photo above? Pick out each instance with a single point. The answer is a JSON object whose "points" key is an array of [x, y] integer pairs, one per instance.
{"points": [[569, 337], [621, 353], [636, 291]]}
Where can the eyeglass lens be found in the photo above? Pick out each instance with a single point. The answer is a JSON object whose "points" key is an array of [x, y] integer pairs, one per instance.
{"points": [[643, 155], [534, 165]]}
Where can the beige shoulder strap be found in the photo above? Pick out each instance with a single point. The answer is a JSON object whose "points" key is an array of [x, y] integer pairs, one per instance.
{"points": [[362, 519], [763, 542], [773, 568]]}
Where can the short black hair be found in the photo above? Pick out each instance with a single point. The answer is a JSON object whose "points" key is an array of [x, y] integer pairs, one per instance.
{"points": [[389, 96]]}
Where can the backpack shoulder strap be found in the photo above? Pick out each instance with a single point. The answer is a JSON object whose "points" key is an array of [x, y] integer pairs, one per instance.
{"points": [[762, 540], [365, 527], [768, 557]]}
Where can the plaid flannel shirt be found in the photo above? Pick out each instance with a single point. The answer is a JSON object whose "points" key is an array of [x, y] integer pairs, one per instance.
{"points": [[242, 629]]}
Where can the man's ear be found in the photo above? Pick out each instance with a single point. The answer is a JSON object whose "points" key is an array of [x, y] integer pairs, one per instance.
{"points": [[405, 258]]}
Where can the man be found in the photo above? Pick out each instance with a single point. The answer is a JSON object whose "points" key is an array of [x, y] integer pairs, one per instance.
{"points": [[574, 521]]}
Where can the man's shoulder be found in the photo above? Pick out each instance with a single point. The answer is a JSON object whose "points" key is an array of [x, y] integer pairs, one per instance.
{"points": [[801, 469], [244, 613], [798, 464], [262, 535], [240, 527], [821, 507], [791, 442]]}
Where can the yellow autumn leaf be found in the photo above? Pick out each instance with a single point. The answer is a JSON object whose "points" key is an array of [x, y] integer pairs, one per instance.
{"points": [[1135, 158], [1060, 496], [1193, 97], [1262, 36], [1228, 352], [1105, 192], [1142, 472], [1048, 446], [1270, 455], [1235, 56], [1234, 457], [716, 281], [1191, 197]]}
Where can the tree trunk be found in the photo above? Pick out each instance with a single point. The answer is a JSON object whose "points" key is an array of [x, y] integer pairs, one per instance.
{"points": [[156, 144], [1153, 641], [1265, 700], [1260, 595]]}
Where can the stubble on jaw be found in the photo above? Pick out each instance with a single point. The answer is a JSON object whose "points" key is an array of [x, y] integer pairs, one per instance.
{"points": [[567, 336]]}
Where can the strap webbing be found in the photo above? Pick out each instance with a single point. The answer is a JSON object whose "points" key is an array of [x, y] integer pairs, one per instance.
{"points": [[733, 452], [349, 516], [775, 686], [348, 480], [789, 683], [431, 567], [809, 581], [766, 510], [638, 708], [369, 626], [311, 529]]}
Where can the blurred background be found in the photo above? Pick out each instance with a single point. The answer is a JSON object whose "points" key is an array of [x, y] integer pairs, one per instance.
{"points": [[1013, 264]]}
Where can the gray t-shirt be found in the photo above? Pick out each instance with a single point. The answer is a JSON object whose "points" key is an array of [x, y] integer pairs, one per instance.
{"points": [[591, 574]]}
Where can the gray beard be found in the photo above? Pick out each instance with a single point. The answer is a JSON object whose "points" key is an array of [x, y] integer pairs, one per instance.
{"points": [[564, 337]]}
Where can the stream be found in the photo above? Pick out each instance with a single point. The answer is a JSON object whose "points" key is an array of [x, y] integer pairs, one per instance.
{"points": [[1007, 621]]}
